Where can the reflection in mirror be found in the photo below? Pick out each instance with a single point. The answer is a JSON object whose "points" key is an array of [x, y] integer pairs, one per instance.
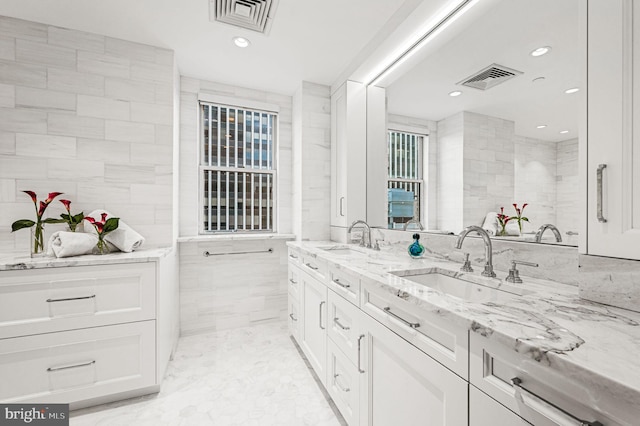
{"points": [[485, 121]]}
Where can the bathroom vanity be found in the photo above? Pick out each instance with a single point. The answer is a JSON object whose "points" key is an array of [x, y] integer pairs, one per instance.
{"points": [[86, 330], [396, 340]]}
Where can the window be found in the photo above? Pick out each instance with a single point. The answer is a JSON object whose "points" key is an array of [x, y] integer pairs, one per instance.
{"points": [[404, 183], [237, 169]]}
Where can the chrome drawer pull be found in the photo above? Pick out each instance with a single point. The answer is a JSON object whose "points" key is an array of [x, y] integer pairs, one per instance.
{"points": [[292, 281], [71, 298], [311, 266], [293, 256], [601, 217], [50, 369], [337, 281], [320, 314], [335, 380], [399, 318], [360, 370], [292, 317], [339, 324], [517, 382]]}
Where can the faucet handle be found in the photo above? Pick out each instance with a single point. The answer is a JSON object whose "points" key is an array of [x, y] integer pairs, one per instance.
{"points": [[466, 266], [514, 274]]}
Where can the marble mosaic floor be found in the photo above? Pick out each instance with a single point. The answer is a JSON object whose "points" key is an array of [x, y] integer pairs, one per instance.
{"points": [[248, 376]]}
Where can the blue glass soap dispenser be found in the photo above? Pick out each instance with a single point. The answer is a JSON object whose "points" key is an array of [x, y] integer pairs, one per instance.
{"points": [[416, 249]]}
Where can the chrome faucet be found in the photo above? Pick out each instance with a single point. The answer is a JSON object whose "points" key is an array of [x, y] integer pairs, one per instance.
{"points": [[488, 249], [543, 228], [361, 222], [416, 221]]}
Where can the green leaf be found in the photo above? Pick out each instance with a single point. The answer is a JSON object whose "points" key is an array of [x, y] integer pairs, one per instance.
{"points": [[111, 224], [78, 218], [525, 218], [52, 220], [22, 223], [66, 217]]}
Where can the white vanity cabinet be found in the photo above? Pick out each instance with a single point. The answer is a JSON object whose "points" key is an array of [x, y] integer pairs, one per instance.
{"points": [[86, 335], [401, 385], [485, 411], [348, 153], [313, 330], [613, 129]]}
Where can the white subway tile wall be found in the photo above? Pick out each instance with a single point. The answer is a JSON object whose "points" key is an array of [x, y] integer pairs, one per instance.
{"points": [[87, 115]]}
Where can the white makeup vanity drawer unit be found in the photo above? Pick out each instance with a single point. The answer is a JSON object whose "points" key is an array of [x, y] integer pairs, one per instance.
{"points": [[85, 335], [385, 360]]}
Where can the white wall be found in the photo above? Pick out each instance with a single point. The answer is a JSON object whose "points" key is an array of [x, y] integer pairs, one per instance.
{"points": [[567, 187], [90, 116], [450, 173]]}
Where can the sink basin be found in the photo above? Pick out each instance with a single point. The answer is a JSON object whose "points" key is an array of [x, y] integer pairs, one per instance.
{"points": [[461, 289]]}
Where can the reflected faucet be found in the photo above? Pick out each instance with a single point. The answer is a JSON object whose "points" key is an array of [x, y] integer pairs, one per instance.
{"points": [[416, 221], [543, 228], [488, 249], [361, 222]]}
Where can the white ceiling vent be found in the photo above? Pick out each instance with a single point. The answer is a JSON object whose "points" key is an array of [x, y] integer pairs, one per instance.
{"points": [[255, 15], [489, 77]]}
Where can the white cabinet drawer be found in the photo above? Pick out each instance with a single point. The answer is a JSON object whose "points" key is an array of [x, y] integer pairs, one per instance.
{"points": [[344, 283], [315, 267], [544, 396], [48, 300], [433, 334], [294, 280], [343, 325], [484, 411], [293, 317], [295, 257], [343, 384], [77, 365]]}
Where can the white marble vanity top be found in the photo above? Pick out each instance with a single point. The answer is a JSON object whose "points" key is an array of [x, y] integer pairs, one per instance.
{"points": [[12, 262], [597, 344]]}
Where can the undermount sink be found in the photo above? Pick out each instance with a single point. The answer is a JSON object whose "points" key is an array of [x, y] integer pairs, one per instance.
{"points": [[459, 288]]}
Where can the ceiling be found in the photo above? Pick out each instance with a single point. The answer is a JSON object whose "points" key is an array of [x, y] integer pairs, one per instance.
{"points": [[504, 34], [310, 40]]}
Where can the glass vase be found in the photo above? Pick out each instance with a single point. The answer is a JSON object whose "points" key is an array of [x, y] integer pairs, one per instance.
{"points": [[101, 247], [37, 240]]}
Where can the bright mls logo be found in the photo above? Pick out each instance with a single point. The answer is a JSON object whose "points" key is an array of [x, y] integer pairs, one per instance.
{"points": [[34, 414]]}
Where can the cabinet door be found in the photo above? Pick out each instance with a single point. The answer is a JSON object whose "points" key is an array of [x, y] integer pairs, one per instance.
{"points": [[613, 128], [348, 153], [313, 330], [484, 411], [343, 383], [294, 319], [403, 386]]}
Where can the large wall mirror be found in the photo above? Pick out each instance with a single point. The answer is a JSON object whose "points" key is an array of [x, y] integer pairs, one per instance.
{"points": [[488, 119]]}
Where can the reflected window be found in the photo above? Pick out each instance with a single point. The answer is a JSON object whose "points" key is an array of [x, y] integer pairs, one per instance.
{"points": [[237, 169], [404, 177]]}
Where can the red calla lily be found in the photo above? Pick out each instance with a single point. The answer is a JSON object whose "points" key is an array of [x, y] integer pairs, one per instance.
{"points": [[51, 196], [32, 194], [67, 204], [90, 220]]}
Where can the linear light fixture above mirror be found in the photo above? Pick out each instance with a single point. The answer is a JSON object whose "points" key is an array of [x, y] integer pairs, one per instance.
{"points": [[447, 17]]}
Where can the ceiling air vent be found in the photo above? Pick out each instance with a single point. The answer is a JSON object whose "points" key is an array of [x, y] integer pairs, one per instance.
{"points": [[255, 15], [489, 77]]}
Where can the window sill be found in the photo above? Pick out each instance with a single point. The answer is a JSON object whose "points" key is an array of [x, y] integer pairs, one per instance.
{"points": [[234, 236]]}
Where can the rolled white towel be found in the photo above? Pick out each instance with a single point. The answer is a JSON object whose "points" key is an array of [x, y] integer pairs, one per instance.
{"points": [[67, 244], [124, 238], [490, 223]]}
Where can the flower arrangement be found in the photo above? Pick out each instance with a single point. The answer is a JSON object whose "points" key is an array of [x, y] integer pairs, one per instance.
{"points": [[37, 247], [103, 227], [519, 218], [72, 220], [503, 219]]}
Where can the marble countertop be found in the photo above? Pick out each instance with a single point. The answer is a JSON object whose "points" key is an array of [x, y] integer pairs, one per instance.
{"points": [[596, 343], [13, 262]]}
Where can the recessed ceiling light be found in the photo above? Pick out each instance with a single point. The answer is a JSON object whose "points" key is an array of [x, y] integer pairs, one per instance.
{"points": [[572, 90], [541, 51], [562, 132], [455, 93], [542, 126], [538, 80], [241, 41]]}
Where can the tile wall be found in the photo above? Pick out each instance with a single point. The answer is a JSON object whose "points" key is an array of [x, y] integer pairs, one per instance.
{"points": [[90, 116]]}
